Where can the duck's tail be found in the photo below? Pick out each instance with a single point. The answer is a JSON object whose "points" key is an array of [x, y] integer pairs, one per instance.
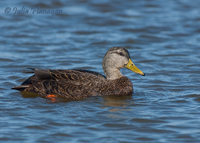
{"points": [[20, 87]]}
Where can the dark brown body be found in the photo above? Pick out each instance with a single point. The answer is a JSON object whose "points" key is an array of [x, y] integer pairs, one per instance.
{"points": [[74, 84]]}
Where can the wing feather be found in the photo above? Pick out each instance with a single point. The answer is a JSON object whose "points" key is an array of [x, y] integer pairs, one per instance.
{"points": [[75, 75]]}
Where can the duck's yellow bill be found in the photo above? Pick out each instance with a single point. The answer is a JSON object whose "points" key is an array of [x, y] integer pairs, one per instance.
{"points": [[133, 68]]}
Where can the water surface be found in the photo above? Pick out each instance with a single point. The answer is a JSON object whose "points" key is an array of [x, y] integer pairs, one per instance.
{"points": [[163, 41]]}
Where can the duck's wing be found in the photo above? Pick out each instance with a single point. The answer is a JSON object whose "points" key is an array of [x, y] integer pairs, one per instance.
{"points": [[72, 84], [47, 74]]}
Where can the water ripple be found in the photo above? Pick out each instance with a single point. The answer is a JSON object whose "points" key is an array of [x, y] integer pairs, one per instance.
{"points": [[163, 41]]}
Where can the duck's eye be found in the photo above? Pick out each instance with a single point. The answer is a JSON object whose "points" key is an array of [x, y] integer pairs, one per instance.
{"points": [[121, 54]]}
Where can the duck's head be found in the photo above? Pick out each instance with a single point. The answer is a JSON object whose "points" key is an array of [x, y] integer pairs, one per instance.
{"points": [[115, 59]]}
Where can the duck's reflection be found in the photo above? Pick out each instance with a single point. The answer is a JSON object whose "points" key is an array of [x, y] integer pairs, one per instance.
{"points": [[108, 101], [51, 99], [27, 94], [116, 105], [117, 101]]}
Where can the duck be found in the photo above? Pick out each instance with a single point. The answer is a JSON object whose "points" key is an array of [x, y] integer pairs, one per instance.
{"points": [[78, 84]]}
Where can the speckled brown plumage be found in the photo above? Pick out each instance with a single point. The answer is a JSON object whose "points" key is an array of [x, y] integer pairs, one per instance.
{"points": [[77, 84]]}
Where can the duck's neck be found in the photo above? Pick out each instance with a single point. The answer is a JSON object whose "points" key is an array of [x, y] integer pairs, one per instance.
{"points": [[112, 74]]}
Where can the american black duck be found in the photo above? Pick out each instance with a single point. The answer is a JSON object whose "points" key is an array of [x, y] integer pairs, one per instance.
{"points": [[77, 84]]}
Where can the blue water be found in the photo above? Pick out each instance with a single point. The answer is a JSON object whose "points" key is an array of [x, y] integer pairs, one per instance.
{"points": [[163, 40]]}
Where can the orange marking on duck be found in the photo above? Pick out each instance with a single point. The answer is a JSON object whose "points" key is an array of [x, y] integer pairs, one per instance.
{"points": [[51, 96]]}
